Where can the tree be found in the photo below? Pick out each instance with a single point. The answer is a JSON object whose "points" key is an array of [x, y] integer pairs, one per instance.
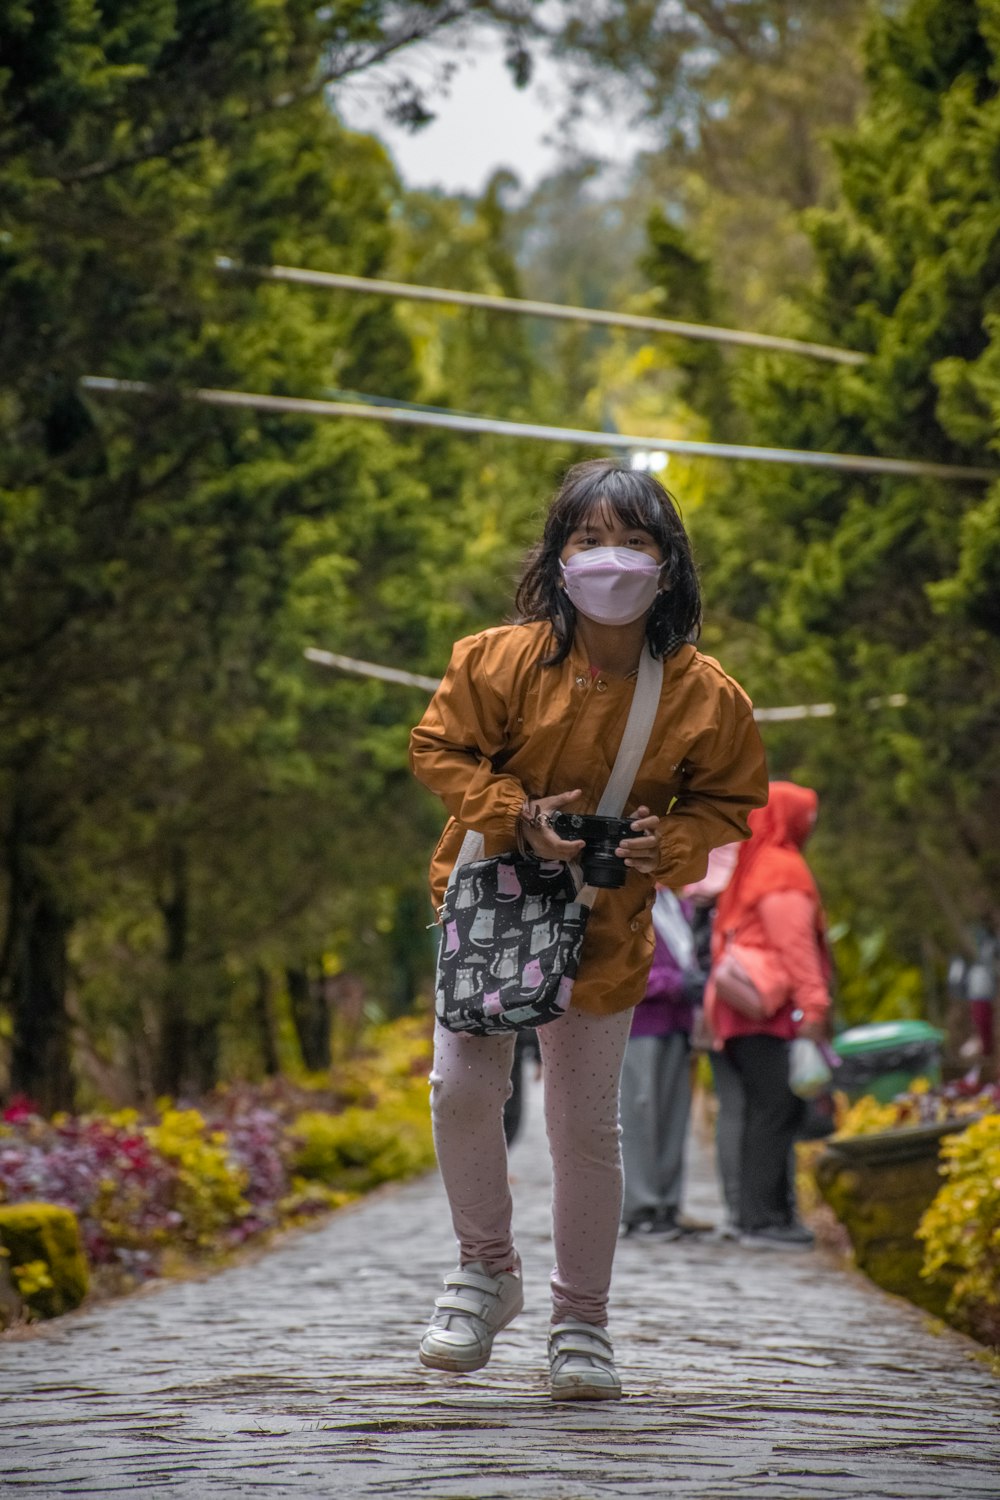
{"points": [[742, 98], [158, 558], [857, 588]]}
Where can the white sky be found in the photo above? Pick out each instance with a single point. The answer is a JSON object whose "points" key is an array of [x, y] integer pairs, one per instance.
{"points": [[483, 123]]}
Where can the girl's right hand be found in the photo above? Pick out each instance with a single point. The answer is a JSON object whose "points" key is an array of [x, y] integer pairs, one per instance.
{"points": [[536, 831]]}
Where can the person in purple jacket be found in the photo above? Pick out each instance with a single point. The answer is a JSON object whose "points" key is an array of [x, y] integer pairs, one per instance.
{"points": [[656, 1078]]}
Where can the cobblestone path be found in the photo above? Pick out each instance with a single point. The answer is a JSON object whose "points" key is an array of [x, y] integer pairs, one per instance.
{"points": [[747, 1374]]}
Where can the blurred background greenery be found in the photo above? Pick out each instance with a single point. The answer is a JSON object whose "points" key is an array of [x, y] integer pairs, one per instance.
{"points": [[213, 854]]}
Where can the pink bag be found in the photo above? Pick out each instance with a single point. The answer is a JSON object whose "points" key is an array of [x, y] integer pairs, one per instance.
{"points": [[751, 981]]}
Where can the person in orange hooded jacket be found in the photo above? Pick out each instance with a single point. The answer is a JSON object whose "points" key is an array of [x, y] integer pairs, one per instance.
{"points": [[772, 903]]}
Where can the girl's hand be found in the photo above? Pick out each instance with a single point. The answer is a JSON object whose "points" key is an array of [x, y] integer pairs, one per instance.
{"points": [[537, 833], [642, 853]]}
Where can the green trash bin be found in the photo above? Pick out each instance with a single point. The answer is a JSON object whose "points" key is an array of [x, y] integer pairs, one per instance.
{"points": [[884, 1058]]}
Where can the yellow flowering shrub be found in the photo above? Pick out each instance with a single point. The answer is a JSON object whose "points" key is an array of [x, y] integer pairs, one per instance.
{"points": [[42, 1247], [961, 1229], [396, 1061], [31, 1278], [385, 1133], [360, 1148], [307, 1198], [921, 1104], [867, 1117], [146, 1198], [209, 1189]]}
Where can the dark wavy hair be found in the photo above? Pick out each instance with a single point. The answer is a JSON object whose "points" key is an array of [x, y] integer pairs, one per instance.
{"points": [[638, 500]]}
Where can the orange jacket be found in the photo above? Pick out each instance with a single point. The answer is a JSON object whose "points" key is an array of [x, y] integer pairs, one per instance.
{"points": [[501, 727], [786, 923], [772, 903]]}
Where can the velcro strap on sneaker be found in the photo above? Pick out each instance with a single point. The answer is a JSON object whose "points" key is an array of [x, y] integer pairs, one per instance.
{"points": [[573, 1338], [477, 1279], [590, 1351], [459, 1304]]}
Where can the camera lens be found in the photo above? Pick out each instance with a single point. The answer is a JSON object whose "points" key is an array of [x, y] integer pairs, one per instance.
{"points": [[598, 860], [602, 867]]}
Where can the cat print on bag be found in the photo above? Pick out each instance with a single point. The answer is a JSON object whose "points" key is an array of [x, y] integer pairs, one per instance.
{"points": [[482, 931], [471, 895], [508, 885], [543, 935], [505, 965]]}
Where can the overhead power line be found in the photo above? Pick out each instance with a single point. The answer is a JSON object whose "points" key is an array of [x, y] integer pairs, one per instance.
{"points": [[408, 291], [372, 669], [454, 422]]}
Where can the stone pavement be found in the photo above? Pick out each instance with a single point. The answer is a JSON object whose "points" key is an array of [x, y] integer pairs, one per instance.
{"points": [[747, 1374]]}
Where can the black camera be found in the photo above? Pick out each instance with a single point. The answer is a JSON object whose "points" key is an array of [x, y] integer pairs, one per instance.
{"points": [[601, 865]]}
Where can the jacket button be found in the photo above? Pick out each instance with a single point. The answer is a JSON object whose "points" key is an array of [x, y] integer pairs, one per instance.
{"points": [[581, 682], [634, 925], [602, 686]]}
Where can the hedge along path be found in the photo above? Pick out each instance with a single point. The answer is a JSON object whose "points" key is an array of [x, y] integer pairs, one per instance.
{"points": [[746, 1374]]}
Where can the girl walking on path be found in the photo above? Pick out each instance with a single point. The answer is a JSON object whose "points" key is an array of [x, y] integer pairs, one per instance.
{"points": [[771, 904], [528, 721]]}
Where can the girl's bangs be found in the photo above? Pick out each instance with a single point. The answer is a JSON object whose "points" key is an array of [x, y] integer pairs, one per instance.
{"points": [[632, 500]]}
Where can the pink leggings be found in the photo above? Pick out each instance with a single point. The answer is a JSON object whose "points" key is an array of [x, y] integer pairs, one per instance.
{"points": [[582, 1062]]}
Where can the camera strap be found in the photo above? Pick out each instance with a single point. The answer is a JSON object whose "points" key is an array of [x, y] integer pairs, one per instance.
{"points": [[638, 728], [635, 738]]}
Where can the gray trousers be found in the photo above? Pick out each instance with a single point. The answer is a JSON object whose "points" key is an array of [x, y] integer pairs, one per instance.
{"points": [[655, 1105]]}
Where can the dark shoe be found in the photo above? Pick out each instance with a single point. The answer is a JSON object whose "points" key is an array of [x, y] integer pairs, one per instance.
{"points": [[665, 1225], [641, 1224], [778, 1237]]}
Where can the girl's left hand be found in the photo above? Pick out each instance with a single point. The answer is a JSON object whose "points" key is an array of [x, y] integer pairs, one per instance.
{"points": [[642, 852]]}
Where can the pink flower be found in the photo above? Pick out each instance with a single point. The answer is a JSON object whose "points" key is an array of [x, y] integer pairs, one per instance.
{"points": [[19, 1110]]}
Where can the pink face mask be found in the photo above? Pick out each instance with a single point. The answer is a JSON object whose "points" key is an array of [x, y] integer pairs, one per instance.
{"points": [[612, 585]]}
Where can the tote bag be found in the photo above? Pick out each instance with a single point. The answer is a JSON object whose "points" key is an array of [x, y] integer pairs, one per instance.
{"points": [[512, 931], [512, 926], [751, 981]]}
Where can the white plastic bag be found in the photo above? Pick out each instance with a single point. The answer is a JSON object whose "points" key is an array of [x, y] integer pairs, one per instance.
{"points": [[809, 1073]]}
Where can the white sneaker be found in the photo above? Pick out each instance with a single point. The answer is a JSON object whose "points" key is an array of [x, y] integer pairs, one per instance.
{"points": [[474, 1308], [582, 1363]]}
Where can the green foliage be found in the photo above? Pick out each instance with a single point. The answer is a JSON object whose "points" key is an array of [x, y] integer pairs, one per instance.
{"points": [[961, 1229], [880, 1204], [394, 1062], [738, 100], [872, 985], [191, 812], [43, 1249], [352, 1152], [185, 802], [849, 589], [388, 1134]]}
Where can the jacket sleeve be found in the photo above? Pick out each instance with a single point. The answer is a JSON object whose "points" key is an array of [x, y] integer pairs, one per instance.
{"points": [[724, 779], [452, 748], [789, 922]]}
